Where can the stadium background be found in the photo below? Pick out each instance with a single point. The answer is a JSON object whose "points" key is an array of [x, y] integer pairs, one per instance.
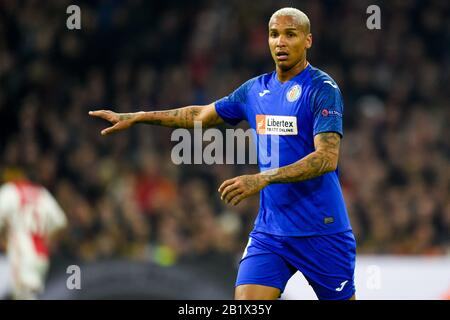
{"points": [[132, 213]]}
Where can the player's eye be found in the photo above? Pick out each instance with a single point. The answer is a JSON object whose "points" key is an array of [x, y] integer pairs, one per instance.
{"points": [[273, 34], [290, 34]]}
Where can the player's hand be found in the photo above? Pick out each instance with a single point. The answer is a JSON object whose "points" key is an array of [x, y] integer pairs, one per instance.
{"points": [[120, 121], [235, 190]]}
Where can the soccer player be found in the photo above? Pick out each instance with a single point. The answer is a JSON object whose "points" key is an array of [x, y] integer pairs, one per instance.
{"points": [[302, 222], [32, 218]]}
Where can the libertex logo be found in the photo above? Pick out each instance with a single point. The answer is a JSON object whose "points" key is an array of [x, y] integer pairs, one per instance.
{"points": [[276, 125]]}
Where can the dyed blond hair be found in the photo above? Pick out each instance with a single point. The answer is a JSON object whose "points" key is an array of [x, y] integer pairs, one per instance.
{"points": [[299, 17]]}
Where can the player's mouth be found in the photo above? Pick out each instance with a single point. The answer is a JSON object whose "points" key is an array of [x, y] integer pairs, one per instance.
{"points": [[282, 55]]}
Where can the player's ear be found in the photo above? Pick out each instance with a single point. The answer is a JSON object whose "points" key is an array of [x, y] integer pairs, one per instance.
{"points": [[308, 40]]}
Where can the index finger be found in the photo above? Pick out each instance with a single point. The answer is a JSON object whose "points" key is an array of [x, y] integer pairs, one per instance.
{"points": [[104, 114], [98, 113], [225, 184]]}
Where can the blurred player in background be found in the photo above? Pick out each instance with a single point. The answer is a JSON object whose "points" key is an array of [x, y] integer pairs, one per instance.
{"points": [[302, 222], [31, 219]]}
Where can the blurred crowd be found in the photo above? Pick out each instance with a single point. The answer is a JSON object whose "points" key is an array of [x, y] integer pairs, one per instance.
{"points": [[122, 194]]}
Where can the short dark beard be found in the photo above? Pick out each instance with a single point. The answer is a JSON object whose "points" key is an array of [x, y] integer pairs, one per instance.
{"points": [[284, 71], [286, 68]]}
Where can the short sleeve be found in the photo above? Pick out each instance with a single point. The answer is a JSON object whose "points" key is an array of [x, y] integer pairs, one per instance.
{"points": [[232, 107], [328, 109], [8, 202], [55, 216]]}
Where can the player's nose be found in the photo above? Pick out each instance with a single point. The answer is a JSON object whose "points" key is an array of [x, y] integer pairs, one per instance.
{"points": [[281, 41]]}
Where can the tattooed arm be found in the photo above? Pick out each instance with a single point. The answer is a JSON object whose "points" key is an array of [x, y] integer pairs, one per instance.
{"points": [[324, 159], [175, 118]]}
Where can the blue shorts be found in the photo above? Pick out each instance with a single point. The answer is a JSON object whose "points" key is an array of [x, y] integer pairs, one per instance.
{"points": [[327, 262]]}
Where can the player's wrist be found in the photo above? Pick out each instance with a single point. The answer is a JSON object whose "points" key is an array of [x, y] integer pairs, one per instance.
{"points": [[264, 179]]}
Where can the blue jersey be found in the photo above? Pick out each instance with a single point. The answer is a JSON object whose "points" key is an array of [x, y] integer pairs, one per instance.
{"points": [[286, 117]]}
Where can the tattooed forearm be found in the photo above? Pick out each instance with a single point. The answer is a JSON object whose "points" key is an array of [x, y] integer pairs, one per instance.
{"points": [[311, 166], [324, 159], [126, 116], [176, 118], [189, 116]]}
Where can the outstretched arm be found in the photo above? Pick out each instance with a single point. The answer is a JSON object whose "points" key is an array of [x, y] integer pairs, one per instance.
{"points": [[323, 160], [175, 118]]}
